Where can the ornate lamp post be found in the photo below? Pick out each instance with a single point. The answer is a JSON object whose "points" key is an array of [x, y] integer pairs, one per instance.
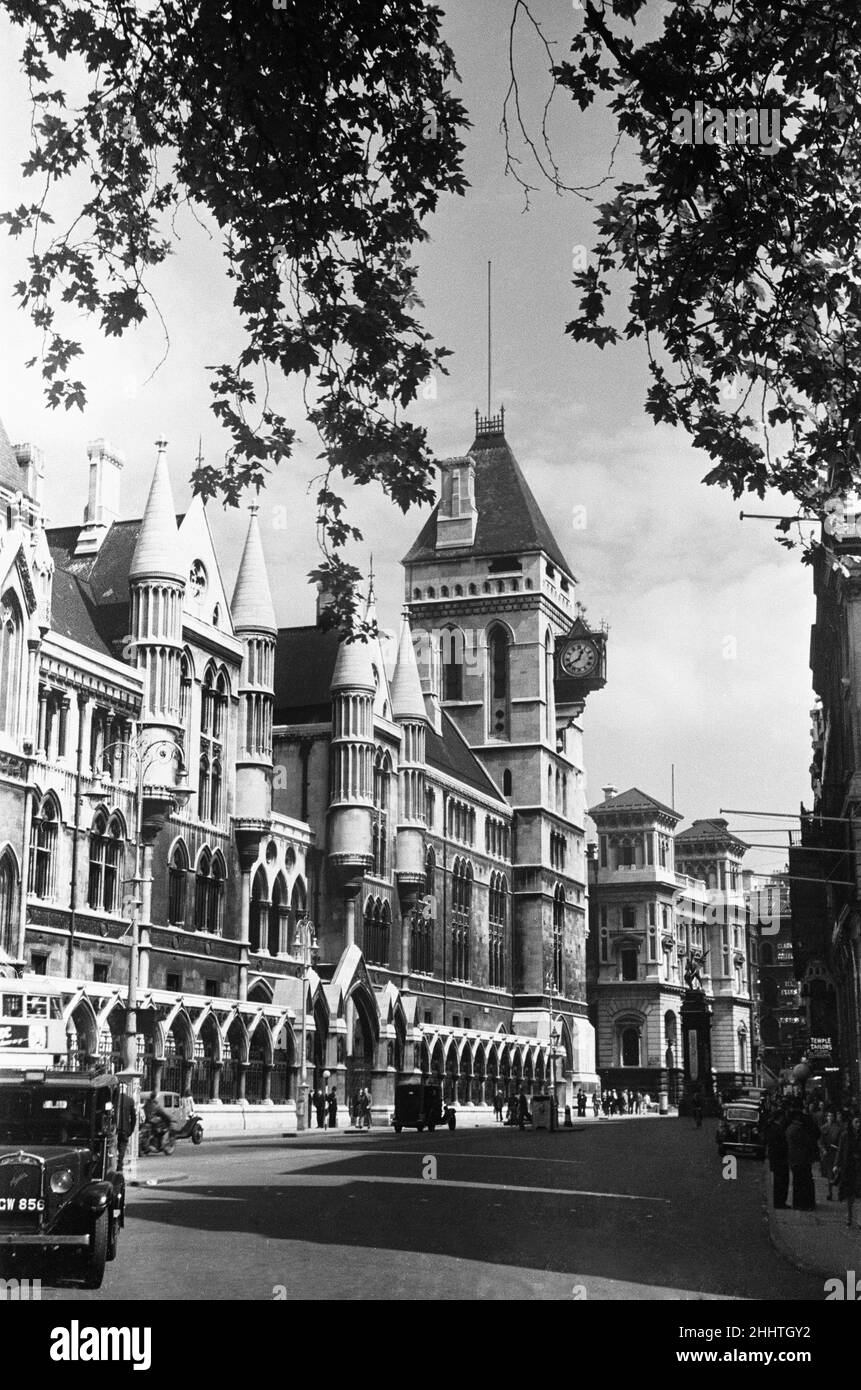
{"points": [[145, 753], [554, 1039], [305, 939]]}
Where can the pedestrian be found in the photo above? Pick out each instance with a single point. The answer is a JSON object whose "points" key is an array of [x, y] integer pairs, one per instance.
{"points": [[596, 1104], [778, 1158], [629, 1097], [332, 1109], [320, 1107], [829, 1142], [126, 1121], [581, 1103], [698, 1109], [803, 1150], [366, 1107], [849, 1166], [497, 1104], [357, 1108], [522, 1110]]}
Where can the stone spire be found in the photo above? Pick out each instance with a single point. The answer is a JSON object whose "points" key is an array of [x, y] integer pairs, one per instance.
{"points": [[354, 669], [157, 553], [407, 698], [252, 605]]}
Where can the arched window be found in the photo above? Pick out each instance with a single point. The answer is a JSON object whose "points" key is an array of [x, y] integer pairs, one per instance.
{"points": [[451, 658], [298, 907], [378, 931], [176, 885], [506, 782], [43, 850], [11, 646], [259, 911], [213, 719], [278, 912], [209, 893], [498, 682], [382, 798], [497, 919], [558, 937], [106, 851], [184, 693], [421, 942], [8, 879], [461, 888]]}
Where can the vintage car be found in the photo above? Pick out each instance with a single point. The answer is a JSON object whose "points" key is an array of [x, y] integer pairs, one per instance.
{"points": [[60, 1188], [419, 1104], [741, 1130]]}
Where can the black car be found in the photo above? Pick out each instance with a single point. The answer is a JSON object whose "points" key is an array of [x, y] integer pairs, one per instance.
{"points": [[419, 1104], [59, 1184], [741, 1130]]}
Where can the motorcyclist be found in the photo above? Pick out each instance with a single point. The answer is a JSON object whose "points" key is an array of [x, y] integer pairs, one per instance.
{"points": [[156, 1116]]}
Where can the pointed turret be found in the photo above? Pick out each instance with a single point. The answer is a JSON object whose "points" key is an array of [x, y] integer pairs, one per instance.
{"points": [[252, 606], [254, 622], [352, 750], [407, 699], [354, 669], [157, 553]]}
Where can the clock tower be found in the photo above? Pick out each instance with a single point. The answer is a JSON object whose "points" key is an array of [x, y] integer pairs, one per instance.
{"points": [[491, 599]]}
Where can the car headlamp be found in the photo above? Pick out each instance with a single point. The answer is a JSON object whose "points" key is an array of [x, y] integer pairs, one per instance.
{"points": [[61, 1181]]}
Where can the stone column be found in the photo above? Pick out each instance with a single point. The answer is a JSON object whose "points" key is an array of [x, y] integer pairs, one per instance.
{"points": [[243, 1077], [43, 721], [244, 941], [267, 1083], [216, 1082]]}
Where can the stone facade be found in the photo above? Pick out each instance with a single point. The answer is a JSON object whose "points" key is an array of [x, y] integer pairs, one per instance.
{"points": [[167, 753]]}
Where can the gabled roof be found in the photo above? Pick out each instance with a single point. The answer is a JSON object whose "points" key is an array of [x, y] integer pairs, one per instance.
{"points": [[701, 830], [304, 664], [510, 520], [635, 800], [450, 754]]}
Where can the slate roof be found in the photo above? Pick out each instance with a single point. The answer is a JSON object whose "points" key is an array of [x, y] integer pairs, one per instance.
{"points": [[102, 581], [10, 473], [450, 753], [72, 615], [634, 800], [304, 663], [717, 829], [510, 521]]}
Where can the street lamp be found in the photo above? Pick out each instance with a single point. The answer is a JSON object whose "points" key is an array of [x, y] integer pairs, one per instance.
{"points": [[145, 753], [304, 938], [554, 1038]]}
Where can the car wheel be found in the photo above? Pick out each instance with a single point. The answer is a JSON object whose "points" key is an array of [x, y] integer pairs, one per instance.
{"points": [[98, 1252], [114, 1236], [197, 1134], [398, 1127]]}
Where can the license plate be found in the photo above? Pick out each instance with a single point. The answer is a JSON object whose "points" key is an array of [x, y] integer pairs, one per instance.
{"points": [[17, 1205]]}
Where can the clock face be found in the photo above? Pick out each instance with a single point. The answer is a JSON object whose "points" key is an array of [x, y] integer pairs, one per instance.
{"points": [[579, 657]]}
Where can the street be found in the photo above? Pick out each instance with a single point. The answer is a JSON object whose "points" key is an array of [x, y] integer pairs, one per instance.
{"points": [[619, 1209]]}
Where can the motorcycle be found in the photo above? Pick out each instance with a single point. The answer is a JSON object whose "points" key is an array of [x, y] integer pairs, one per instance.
{"points": [[192, 1129], [156, 1138]]}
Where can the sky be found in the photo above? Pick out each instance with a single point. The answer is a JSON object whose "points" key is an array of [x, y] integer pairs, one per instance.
{"points": [[709, 618]]}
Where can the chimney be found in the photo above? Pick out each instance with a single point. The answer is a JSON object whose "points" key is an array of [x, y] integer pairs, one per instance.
{"points": [[32, 464], [324, 602], [610, 792], [103, 500]]}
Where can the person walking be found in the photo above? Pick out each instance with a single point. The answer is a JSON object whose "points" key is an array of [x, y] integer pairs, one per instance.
{"points": [[522, 1110], [778, 1159], [581, 1103], [320, 1107], [803, 1150], [829, 1142], [596, 1104], [849, 1166], [497, 1104], [332, 1109], [366, 1108]]}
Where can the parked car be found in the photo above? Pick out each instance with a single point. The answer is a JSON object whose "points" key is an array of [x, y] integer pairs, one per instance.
{"points": [[741, 1130], [59, 1184], [419, 1104]]}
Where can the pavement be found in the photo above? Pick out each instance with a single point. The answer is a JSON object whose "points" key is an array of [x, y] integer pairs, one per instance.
{"points": [[819, 1241]]}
